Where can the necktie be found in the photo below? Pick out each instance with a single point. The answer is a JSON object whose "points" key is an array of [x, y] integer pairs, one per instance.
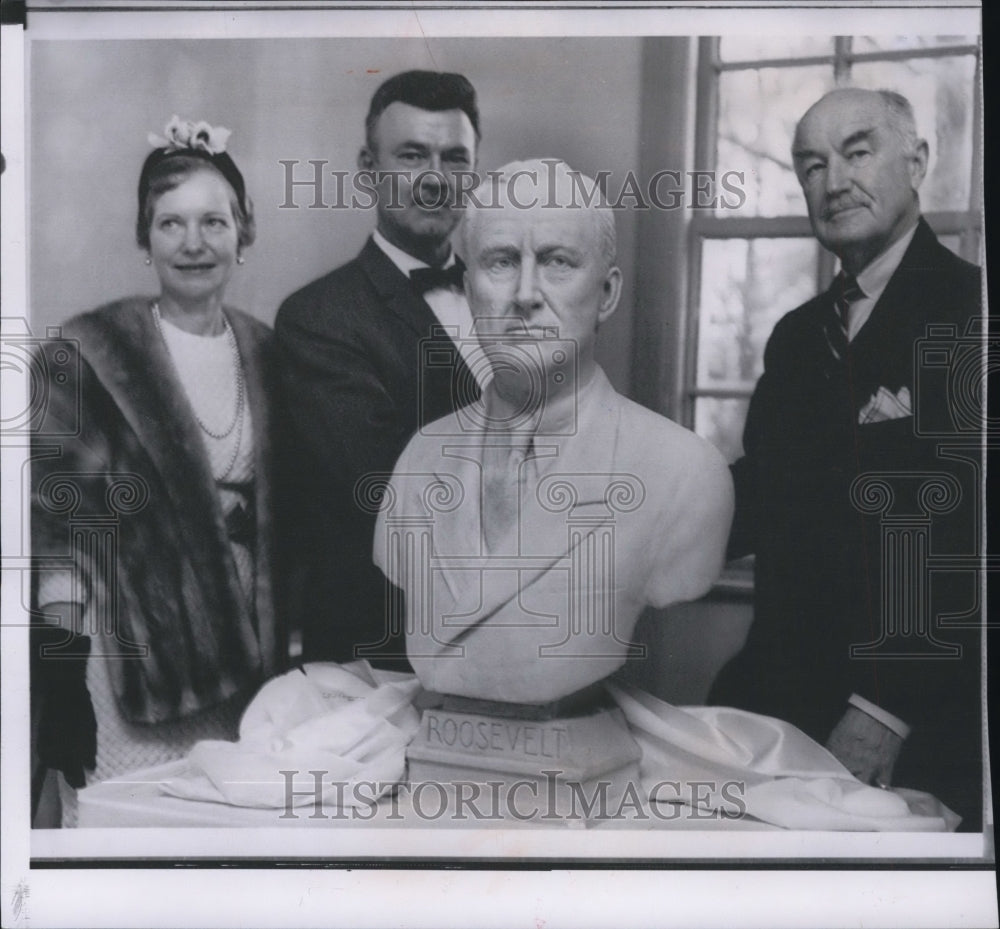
{"points": [[425, 279], [502, 477], [844, 292]]}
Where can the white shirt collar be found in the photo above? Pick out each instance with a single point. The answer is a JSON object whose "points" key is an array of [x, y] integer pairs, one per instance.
{"points": [[875, 275], [403, 260]]}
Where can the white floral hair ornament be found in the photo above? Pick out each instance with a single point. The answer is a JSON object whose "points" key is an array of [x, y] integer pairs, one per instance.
{"points": [[182, 133]]}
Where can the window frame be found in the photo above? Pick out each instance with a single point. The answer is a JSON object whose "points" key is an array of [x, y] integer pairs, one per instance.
{"points": [[708, 224]]}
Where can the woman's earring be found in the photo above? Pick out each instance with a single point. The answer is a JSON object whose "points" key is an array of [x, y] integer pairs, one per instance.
{"points": [[240, 259], [148, 260]]}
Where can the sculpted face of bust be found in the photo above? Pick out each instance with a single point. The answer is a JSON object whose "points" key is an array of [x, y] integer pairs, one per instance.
{"points": [[540, 266]]}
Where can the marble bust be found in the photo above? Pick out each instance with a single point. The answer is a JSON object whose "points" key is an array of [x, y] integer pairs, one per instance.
{"points": [[530, 529]]}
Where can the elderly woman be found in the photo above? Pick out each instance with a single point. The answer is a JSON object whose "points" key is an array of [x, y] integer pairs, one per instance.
{"points": [[150, 524]]}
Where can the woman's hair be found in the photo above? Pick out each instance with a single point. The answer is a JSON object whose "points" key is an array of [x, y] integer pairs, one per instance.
{"points": [[165, 170]]}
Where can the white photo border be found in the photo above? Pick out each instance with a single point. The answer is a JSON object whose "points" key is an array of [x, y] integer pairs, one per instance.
{"points": [[97, 877]]}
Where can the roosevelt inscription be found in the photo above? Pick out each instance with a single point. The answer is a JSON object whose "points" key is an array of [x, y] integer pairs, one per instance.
{"points": [[501, 737]]}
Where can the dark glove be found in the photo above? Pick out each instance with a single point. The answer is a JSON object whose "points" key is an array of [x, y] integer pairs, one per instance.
{"points": [[67, 727]]}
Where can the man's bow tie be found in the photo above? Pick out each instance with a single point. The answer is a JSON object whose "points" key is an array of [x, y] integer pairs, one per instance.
{"points": [[425, 279]]}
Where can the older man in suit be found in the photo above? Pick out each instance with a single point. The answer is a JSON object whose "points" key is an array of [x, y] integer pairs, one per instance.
{"points": [[350, 351], [840, 398]]}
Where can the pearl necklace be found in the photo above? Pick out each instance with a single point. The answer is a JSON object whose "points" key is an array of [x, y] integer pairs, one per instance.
{"points": [[237, 422]]}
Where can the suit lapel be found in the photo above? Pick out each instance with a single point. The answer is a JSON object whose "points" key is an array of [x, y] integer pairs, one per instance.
{"points": [[397, 294], [395, 291], [882, 351], [543, 534]]}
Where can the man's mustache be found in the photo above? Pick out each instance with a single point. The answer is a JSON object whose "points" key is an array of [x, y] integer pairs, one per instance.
{"points": [[832, 209]]}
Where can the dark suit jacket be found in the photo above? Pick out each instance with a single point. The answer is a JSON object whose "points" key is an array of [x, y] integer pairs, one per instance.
{"points": [[819, 558], [358, 385]]}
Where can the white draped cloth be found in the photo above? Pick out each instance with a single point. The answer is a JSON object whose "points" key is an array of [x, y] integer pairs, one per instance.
{"points": [[353, 723]]}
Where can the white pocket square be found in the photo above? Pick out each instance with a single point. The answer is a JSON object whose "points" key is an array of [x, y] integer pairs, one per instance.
{"points": [[885, 405]]}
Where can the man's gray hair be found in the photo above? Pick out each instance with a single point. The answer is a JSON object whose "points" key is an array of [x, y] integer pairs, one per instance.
{"points": [[901, 119], [569, 189], [899, 116]]}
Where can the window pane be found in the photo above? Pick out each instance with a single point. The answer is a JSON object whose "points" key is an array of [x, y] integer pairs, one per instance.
{"points": [[721, 422], [755, 47], [940, 90], [891, 43], [747, 285], [758, 111]]}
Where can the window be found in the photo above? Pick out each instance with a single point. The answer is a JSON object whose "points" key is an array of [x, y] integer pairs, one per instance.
{"points": [[751, 265]]}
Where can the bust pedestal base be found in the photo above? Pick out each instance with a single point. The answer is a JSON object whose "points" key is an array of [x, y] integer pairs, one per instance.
{"points": [[575, 769]]}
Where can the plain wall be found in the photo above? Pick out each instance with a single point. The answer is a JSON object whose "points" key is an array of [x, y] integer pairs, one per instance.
{"points": [[92, 104]]}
